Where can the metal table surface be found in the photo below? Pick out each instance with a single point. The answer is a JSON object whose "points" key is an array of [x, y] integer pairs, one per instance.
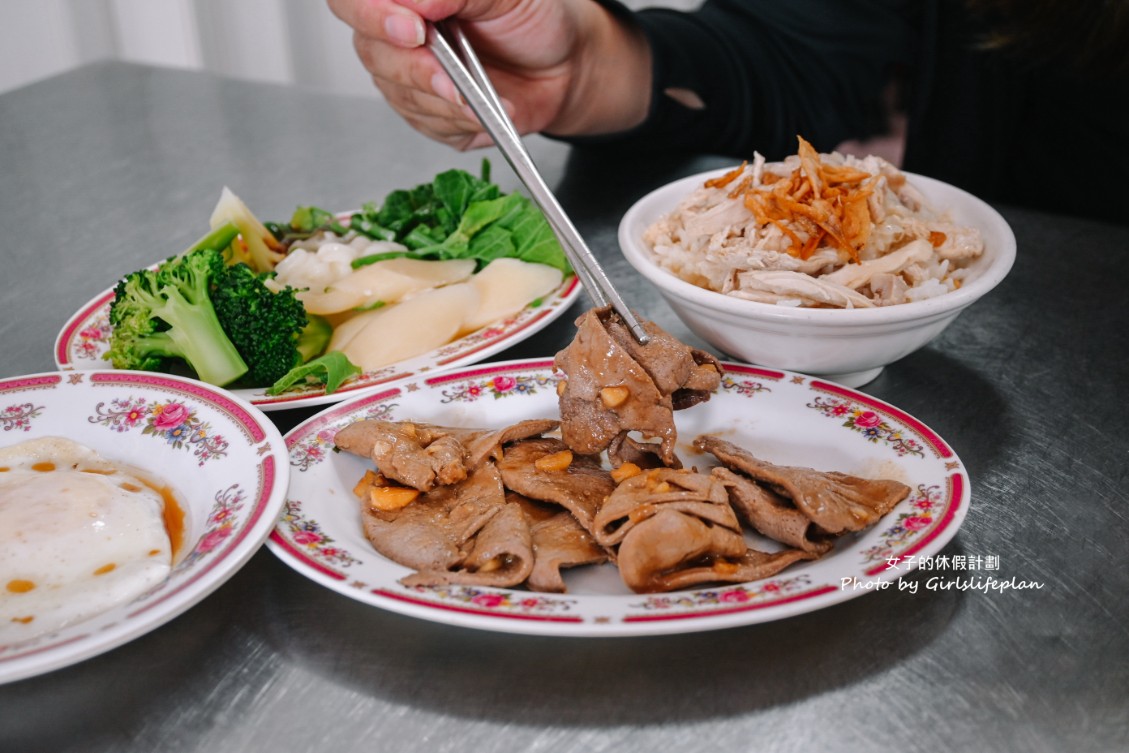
{"points": [[106, 168]]}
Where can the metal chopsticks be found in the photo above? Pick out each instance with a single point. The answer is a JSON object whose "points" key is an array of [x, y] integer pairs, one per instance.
{"points": [[449, 44]]}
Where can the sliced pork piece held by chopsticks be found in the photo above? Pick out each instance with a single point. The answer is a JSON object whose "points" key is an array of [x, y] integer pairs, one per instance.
{"points": [[616, 385], [835, 502]]}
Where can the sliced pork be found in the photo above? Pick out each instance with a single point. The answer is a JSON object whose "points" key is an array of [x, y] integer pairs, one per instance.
{"points": [[645, 495], [627, 449], [835, 502], [512, 507], [424, 456], [415, 454], [615, 385], [541, 470], [465, 533], [559, 542], [669, 526], [770, 514], [675, 529], [481, 445], [671, 549]]}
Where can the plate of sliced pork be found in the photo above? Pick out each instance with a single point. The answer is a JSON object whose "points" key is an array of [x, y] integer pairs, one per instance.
{"points": [[617, 489]]}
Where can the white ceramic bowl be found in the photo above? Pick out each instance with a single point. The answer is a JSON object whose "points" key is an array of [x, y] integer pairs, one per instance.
{"points": [[850, 346]]}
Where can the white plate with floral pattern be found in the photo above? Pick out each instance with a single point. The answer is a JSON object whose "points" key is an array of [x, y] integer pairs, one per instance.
{"points": [[224, 460], [84, 339], [783, 417]]}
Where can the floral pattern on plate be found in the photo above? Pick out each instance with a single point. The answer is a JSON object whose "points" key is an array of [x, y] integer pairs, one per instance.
{"points": [[18, 417], [869, 423], [497, 386], [734, 596], [222, 457], [173, 421], [318, 445], [769, 412], [308, 534]]}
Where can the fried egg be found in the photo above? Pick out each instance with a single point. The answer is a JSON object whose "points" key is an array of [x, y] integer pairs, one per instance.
{"points": [[78, 535]]}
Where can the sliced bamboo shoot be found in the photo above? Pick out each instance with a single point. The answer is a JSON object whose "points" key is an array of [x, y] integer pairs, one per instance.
{"points": [[506, 286], [407, 329], [385, 281]]}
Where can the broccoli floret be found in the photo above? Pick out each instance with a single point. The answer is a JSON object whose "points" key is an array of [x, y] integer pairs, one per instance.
{"points": [[263, 324], [165, 314], [314, 338]]}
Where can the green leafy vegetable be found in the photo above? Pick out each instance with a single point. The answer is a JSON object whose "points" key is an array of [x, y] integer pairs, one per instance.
{"points": [[219, 238], [364, 261], [460, 216], [306, 221], [331, 370], [311, 219]]}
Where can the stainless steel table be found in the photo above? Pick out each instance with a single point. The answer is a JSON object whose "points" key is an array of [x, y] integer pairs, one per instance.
{"points": [[106, 168]]}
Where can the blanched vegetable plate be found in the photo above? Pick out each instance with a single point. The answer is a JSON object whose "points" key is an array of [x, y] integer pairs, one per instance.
{"points": [[328, 306], [84, 339]]}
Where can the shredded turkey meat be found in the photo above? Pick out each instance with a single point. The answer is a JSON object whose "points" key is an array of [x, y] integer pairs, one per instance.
{"points": [[816, 230]]}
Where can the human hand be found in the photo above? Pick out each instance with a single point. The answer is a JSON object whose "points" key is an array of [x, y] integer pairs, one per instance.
{"points": [[548, 59]]}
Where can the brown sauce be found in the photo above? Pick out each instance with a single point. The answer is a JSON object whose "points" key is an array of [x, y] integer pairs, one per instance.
{"points": [[173, 512]]}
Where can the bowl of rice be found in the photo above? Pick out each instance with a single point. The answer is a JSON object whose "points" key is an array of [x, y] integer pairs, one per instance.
{"points": [[826, 264]]}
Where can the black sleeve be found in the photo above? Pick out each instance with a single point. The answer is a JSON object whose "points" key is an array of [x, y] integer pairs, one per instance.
{"points": [[767, 71]]}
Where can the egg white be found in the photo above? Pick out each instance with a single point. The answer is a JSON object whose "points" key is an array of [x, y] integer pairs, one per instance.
{"points": [[76, 539]]}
